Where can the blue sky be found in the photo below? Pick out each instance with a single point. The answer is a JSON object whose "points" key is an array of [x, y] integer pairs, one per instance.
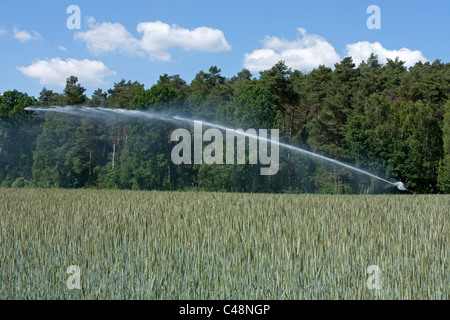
{"points": [[184, 37]]}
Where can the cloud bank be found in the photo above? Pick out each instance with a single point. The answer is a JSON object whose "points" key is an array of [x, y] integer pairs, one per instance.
{"points": [[309, 51], [55, 71], [304, 54], [361, 51], [156, 41]]}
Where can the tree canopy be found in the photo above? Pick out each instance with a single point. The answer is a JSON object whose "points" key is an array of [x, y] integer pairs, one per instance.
{"points": [[383, 118]]}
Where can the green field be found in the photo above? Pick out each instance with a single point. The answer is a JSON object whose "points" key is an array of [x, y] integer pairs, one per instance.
{"points": [[175, 245]]}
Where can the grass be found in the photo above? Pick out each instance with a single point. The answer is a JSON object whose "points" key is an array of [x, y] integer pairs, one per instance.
{"points": [[174, 245]]}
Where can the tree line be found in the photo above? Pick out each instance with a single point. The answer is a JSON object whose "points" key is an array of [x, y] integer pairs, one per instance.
{"points": [[387, 119]]}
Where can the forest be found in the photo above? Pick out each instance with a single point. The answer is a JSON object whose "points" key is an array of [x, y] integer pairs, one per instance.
{"points": [[381, 117]]}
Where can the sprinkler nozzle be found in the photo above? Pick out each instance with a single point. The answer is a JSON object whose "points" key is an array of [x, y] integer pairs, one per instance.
{"points": [[400, 186]]}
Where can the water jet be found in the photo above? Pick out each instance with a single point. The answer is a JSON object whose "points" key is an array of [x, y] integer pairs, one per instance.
{"points": [[139, 114]]}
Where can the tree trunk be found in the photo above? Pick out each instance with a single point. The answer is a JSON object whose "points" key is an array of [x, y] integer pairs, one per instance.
{"points": [[90, 152], [291, 123], [90, 163]]}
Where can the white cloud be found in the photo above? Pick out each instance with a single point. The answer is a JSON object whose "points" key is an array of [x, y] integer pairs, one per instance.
{"points": [[156, 41], [304, 54], [2, 31], [62, 48], [107, 37], [55, 71], [24, 36], [309, 51], [159, 37], [361, 51]]}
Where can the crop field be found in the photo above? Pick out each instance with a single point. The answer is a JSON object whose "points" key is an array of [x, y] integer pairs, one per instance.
{"points": [[193, 245]]}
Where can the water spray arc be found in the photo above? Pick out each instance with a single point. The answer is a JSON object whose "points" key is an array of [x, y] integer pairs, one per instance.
{"points": [[398, 184], [139, 114]]}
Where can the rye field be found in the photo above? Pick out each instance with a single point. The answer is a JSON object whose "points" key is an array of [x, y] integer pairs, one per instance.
{"points": [[193, 245]]}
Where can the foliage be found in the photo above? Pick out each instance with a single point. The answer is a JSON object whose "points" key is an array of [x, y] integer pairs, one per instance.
{"points": [[383, 118]]}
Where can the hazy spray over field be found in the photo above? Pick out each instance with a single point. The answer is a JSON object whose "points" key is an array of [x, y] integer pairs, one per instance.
{"points": [[109, 113]]}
